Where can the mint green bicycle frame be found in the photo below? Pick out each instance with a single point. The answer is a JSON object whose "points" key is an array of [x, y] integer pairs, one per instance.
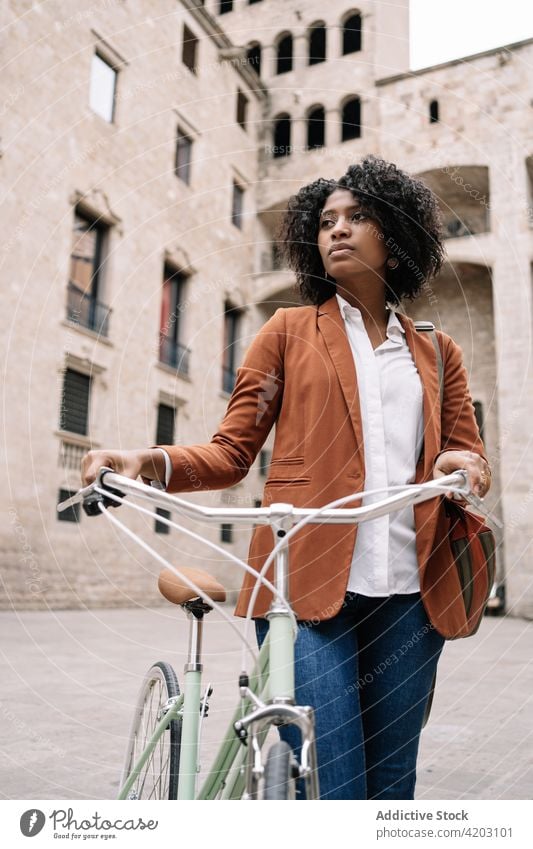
{"points": [[267, 695]]}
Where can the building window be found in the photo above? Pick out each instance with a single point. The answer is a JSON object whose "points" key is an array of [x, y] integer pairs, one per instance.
{"points": [[317, 44], [226, 533], [529, 180], [253, 57], [478, 412], [103, 88], [284, 54], [166, 418], [74, 412], [282, 135], [264, 462], [183, 156], [172, 351], [351, 34], [242, 103], [316, 127], [225, 6], [232, 321], [253, 1], [237, 205], [351, 119], [434, 112], [277, 259], [71, 514], [84, 304], [189, 53], [164, 435]]}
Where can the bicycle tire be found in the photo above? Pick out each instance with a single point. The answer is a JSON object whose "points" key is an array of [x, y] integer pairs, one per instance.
{"points": [[279, 783], [158, 779]]}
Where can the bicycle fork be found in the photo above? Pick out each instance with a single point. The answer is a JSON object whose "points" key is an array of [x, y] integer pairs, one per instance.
{"points": [[253, 728]]}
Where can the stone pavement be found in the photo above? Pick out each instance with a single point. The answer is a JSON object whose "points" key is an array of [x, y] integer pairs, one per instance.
{"points": [[69, 681]]}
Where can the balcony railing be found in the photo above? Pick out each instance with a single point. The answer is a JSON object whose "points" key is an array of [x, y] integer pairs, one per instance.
{"points": [[87, 311], [173, 354]]}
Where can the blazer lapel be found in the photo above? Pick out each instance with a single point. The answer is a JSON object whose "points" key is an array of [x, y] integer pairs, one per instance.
{"points": [[331, 325], [425, 360]]}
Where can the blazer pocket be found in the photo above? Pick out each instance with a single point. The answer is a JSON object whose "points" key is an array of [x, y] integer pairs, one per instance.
{"points": [[280, 478], [286, 461], [287, 470]]}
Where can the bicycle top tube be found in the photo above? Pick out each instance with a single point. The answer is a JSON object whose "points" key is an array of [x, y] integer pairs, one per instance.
{"points": [[408, 494]]}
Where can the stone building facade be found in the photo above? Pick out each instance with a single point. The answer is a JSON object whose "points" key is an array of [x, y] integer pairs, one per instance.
{"points": [[147, 150]]}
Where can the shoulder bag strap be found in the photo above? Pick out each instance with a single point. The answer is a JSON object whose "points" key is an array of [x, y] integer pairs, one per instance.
{"points": [[429, 327]]}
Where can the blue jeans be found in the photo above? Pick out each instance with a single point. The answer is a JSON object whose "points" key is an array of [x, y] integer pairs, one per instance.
{"points": [[367, 672]]}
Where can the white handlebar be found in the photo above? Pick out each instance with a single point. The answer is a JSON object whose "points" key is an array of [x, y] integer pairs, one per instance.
{"points": [[407, 494]]}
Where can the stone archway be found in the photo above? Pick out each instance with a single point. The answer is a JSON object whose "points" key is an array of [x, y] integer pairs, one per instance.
{"points": [[464, 198]]}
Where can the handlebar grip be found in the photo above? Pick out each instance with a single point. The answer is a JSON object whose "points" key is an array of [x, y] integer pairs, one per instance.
{"points": [[91, 502]]}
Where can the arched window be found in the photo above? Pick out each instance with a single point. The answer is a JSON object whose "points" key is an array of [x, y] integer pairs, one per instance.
{"points": [[253, 56], [434, 112], [316, 118], [284, 54], [351, 119], [317, 43], [351, 34], [282, 135]]}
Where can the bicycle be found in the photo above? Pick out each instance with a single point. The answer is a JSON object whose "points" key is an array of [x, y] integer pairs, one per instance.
{"points": [[163, 748]]}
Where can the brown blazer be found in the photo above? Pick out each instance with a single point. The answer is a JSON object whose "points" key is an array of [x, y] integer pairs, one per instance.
{"points": [[299, 374]]}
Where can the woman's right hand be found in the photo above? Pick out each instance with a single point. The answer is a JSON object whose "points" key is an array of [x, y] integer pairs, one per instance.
{"points": [[145, 461]]}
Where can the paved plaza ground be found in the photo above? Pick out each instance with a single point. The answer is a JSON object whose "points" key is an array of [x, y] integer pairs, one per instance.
{"points": [[70, 678]]}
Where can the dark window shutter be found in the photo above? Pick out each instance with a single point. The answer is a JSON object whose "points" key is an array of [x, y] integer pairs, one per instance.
{"points": [[226, 532], [74, 413], [160, 527], [165, 425], [72, 514]]}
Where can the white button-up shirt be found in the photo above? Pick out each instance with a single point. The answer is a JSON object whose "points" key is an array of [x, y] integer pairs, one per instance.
{"points": [[384, 560]]}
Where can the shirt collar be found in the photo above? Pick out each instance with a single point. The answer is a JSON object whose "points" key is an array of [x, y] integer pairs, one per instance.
{"points": [[394, 325]]}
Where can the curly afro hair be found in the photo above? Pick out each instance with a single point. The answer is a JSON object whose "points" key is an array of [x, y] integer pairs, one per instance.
{"points": [[406, 210]]}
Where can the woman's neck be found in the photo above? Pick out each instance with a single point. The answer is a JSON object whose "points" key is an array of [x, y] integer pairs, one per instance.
{"points": [[370, 303]]}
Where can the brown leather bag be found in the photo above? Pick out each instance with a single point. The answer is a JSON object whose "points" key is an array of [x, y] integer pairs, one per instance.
{"points": [[472, 543]]}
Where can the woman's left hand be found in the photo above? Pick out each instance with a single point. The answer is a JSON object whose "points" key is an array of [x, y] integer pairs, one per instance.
{"points": [[478, 470]]}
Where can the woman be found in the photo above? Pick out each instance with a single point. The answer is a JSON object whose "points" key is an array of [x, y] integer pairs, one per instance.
{"points": [[353, 391]]}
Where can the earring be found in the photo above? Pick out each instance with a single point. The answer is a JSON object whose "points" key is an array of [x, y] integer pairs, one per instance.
{"points": [[393, 262]]}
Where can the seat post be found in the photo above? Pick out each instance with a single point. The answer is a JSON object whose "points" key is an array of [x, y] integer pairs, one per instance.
{"points": [[195, 610]]}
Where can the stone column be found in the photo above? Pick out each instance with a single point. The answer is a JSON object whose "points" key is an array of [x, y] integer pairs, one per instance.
{"points": [[512, 322]]}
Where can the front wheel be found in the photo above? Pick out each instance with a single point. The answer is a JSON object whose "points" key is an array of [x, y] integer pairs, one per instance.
{"points": [[279, 778], [158, 778]]}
